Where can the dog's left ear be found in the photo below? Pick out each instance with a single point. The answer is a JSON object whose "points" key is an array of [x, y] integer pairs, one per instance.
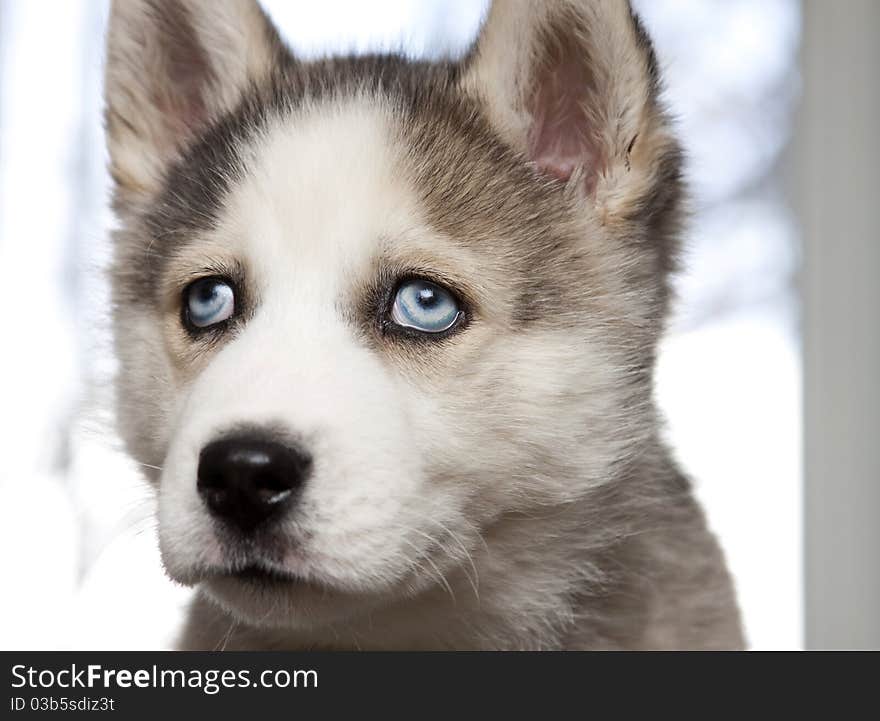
{"points": [[173, 67], [572, 84]]}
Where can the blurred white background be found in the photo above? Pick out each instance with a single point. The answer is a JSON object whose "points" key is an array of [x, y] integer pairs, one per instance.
{"points": [[77, 548]]}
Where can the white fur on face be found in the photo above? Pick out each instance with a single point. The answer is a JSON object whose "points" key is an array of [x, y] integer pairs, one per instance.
{"points": [[307, 223], [412, 461]]}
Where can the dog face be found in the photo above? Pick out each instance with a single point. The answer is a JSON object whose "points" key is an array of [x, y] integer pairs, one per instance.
{"points": [[368, 310]]}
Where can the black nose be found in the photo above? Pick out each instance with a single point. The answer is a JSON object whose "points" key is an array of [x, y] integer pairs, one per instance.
{"points": [[245, 481]]}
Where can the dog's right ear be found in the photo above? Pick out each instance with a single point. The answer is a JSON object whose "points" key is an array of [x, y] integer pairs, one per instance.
{"points": [[174, 66]]}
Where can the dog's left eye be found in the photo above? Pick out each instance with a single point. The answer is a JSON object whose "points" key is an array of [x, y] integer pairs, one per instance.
{"points": [[425, 306], [208, 301]]}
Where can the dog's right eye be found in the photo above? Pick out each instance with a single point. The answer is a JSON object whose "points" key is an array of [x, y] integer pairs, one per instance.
{"points": [[207, 302]]}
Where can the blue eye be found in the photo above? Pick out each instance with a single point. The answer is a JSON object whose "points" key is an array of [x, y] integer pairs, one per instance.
{"points": [[425, 306], [209, 301]]}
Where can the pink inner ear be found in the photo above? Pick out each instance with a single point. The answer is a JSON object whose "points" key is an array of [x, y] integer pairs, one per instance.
{"points": [[180, 94], [559, 139]]}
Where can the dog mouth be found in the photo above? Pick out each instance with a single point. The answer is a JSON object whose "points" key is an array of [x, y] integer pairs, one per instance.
{"points": [[259, 575], [262, 595]]}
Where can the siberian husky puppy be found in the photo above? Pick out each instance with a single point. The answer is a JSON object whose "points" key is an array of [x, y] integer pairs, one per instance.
{"points": [[387, 331]]}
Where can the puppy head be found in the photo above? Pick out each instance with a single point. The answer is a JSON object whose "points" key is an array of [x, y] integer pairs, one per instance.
{"points": [[367, 307]]}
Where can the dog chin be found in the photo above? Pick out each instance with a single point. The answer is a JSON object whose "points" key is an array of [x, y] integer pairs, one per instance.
{"points": [[271, 600]]}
